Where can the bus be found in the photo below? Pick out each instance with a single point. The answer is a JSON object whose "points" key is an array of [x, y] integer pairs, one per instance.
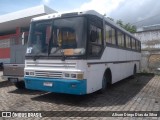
{"points": [[78, 53]]}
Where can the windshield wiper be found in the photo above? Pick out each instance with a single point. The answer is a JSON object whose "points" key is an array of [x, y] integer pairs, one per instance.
{"points": [[63, 56], [35, 57], [61, 51]]}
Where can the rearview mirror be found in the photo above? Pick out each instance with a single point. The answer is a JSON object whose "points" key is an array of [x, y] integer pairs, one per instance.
{"points": [[93, 36], [23, 38]]}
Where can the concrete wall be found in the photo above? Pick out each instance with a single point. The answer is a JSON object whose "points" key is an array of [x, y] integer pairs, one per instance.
{"points": [[150, 61], [150, 41]]}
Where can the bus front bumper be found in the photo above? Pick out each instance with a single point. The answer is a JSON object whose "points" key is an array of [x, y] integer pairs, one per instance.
{"points": [[69, 86]]}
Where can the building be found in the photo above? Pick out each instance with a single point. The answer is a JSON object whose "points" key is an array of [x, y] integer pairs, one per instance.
{"points": [[12, 26], [150, 41]]}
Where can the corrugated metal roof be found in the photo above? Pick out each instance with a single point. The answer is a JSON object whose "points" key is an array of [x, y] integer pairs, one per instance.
{"points": [[22, 18]]}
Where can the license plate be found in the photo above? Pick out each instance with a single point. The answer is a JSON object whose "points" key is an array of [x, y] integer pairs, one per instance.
{"points": [[48, 84], [13, 80]]}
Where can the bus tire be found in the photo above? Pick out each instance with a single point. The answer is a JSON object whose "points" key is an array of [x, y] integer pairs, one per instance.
{"points": [[105, 81], [134, 72], [20, 85], [1, 66], [104, 85]]}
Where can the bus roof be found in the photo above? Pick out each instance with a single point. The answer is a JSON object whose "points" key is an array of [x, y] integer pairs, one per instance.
{"points": [[89, 12]]}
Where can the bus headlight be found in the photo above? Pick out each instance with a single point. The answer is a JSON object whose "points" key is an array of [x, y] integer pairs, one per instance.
{"points": [[73, 76], [31, 73], [27, 73], [78, 76], [66, 75]]}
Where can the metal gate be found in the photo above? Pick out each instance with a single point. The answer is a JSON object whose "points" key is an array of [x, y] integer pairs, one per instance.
{"points": [[17, 54]]}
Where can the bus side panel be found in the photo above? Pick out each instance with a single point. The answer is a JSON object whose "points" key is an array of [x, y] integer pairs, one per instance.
{"points": [[94, 77], [110, 54], [120, 62], [121, 70], [119, 55]]}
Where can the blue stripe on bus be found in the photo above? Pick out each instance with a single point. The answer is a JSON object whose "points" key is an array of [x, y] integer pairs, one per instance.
{"points": [[69, 86]]}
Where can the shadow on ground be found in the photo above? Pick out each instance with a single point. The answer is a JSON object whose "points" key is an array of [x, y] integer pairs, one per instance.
{"points": [[5, 84], [118, 94], [27, 92]]}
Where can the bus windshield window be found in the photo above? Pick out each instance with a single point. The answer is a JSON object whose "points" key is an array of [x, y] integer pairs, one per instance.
{"points": [[68, 37], [64, 36], [39, 38]]}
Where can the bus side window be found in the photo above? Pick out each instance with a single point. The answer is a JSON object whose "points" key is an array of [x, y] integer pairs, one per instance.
{"points": [[93, 36], [137, 44], [95, 42], [128, 41], [133, 44], [120, 37], [110, 35]]}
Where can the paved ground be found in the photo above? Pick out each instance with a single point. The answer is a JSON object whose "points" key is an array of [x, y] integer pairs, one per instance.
{"points": [[139, 94]]}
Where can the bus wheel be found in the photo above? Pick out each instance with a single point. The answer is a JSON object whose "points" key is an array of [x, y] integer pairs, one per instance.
{"points": [[134, 71], [104, 85], [20, 85]]}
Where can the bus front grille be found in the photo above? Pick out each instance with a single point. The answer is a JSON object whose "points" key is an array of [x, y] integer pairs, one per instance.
{"points": [[48, 74]]}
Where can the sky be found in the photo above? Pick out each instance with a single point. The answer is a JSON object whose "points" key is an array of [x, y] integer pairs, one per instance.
{"points": [[132, 11]]}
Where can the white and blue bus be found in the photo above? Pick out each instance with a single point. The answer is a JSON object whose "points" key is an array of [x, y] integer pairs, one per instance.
{"points": [[78, 53]]}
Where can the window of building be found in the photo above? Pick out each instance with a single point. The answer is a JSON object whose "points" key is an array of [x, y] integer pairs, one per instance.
{"points": [[110, 35], [5, 43]]}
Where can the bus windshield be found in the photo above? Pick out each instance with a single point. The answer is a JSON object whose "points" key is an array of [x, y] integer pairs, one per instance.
{"points": [[65, 36]]}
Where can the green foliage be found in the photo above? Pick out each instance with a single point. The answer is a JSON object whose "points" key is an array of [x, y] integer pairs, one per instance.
{"points": [[110, 18], [128, 26]]}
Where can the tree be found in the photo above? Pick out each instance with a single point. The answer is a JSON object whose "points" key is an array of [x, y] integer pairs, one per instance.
{"points": [[110, 18], [128, 26]]}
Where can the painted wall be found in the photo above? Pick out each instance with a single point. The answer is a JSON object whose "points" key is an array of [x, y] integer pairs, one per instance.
{"points": [[4, 49], [6, 42]]}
